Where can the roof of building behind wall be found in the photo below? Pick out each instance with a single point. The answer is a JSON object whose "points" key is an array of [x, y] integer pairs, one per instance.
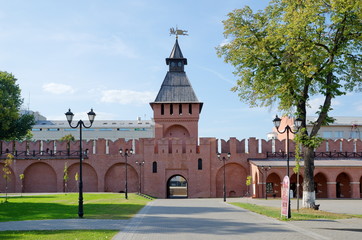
{"points": [[98, 123], [340, 120]]}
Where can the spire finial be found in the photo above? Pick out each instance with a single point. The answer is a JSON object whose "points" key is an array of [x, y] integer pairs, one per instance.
{"points": [[177, 32]]}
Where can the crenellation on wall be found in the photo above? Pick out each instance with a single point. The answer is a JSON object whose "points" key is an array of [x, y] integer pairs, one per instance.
{"points": [[8, 146], [225, 146], [101, 146], [334, 145], [74, 146], [240, 146], [21, 146], [347, 145], [48, 146], [88, 146], [115, 146], [207, 145], [280, 146], [267, 146], [137, 148], [62, 145], [253, 146], [323, 147], [34, 146], [358, 145]]}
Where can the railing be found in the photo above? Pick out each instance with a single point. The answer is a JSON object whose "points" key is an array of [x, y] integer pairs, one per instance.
{"points": [[50, 154], [317, 155]]}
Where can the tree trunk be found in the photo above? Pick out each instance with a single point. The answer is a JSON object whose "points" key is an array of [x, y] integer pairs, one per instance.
{"points": [[308, 184]]}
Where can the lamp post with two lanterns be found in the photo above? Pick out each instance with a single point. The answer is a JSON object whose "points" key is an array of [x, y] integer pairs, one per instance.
{"points": [[91, 115], [127, 153], [140, 164], [224, 181], [287, 129], [265, 169]]}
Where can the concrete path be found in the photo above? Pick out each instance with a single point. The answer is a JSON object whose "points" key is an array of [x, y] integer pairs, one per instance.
{"points": [[331, 229], [206, 219]]}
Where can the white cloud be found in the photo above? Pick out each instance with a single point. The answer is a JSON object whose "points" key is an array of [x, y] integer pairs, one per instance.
{"points": [[127, 96], [58, 88]]}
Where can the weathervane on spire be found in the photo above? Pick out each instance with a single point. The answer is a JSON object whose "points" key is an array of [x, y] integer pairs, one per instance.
{"points": [[177, 32]]}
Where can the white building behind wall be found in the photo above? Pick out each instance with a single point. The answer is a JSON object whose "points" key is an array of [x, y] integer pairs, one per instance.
{"points": [[342, 128], [107, 129]]}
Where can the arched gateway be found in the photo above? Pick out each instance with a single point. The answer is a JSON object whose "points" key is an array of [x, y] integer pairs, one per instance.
{"points": [[177, 187]]}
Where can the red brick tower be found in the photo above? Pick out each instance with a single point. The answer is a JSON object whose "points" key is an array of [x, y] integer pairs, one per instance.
{"points": [[176, 109]]}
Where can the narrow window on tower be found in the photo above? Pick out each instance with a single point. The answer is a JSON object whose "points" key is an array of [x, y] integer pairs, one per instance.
{"points": [[154, 167], [199, 164], [180, 109], [162, 109], [190, 108], [171, 109]]}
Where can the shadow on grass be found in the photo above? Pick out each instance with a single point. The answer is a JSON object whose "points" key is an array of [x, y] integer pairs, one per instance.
{"points": [[29, 197], [13, 211], [59, 234]]}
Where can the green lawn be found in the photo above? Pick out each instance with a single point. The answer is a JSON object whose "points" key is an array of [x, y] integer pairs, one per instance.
{"points": [[302, 214], [59, 235], [65, 206]]}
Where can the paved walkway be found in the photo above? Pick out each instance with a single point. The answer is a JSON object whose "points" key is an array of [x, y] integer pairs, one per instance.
{"points": [[210, 219], [206, 219]]}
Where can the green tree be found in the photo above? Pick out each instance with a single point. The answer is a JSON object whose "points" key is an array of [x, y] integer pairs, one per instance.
{"points": [[13, 126], [65, 177], [248, 183], [68, 138], [294, 50], [7, 172], [22, 176]]}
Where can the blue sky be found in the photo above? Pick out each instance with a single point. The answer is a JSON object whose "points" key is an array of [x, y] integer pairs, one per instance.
{"points": [[110, 56]]}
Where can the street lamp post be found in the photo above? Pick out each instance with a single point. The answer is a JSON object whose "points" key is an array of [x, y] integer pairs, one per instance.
{"points": [[91, 115], [127, 153], [140, 164], [287, 129], [266, 169], [223, 159]]}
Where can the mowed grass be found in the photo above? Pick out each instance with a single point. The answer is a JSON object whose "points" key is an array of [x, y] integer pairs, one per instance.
{"points": [[59, 235], [302, 214], [65, 206]]}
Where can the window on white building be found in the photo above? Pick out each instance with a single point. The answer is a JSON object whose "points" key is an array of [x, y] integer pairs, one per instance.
{"points": [[338, 134], [327, 134]]}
